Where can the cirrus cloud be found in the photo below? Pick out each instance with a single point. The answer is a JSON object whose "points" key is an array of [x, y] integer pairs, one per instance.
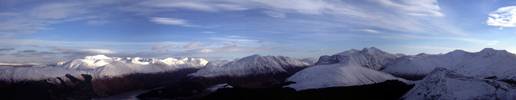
{"points": [[170, 21]]}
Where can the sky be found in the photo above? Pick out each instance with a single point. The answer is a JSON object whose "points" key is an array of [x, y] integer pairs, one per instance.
{"points": [[45, 30]]}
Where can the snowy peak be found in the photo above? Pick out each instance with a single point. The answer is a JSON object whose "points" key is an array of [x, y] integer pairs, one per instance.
{"points": [[373, 50], [138, 60], [250, 72], [97, 57], [269, 61], [281, 60], [102, 66], [191, 61], [491, 52], [252, 65], [443, 84], [457, 52], [92, 62], [255, 59], [372, 57], [370, 51], [87, 63]]}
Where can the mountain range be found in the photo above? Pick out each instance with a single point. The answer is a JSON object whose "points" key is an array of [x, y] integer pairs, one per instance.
{"points": [[489, 74]]}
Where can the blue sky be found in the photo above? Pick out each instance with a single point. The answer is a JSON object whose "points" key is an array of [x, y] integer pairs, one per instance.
{"points": [[35, 29]]}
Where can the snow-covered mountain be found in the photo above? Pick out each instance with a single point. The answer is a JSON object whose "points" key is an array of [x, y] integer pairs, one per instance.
{"points": [[368, 57], [89, 62], [251, 65], [100, 66], [250, 72], [486, 63], [103, 66], [337, 75], [443, 84], [93, 62]]}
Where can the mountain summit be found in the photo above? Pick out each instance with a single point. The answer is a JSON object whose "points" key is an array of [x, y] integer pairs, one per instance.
{"points": [[252, 65], [252, 71], [372, 57]]}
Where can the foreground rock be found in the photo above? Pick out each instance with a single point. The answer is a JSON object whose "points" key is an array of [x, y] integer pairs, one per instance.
{"points": [[59, 88]]}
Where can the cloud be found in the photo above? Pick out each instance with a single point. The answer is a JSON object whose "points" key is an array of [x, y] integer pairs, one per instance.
{"points": [[231, 44], [467, 40], [417, 49], [370, 31], [208, 32], [170, 21], [56, 10], [97, 51], [273, 8], [275, 14], [192, 45], [233, 38], [47, 54], [478, 41], [97, 22], [165, 46], [8, 14], [378, 13], [406, 16], [18, 25], [503, 17], [81, 52], [223, 49], [34, 53], [313, 7], [235, 47], [6, 49], [29, 56], [415, 8], [206, 50], [28, 51], [36, 18], [209, 6]]}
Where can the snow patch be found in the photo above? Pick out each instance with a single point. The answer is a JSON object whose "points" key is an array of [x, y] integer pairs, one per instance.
{"points": [[334, 75]]}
